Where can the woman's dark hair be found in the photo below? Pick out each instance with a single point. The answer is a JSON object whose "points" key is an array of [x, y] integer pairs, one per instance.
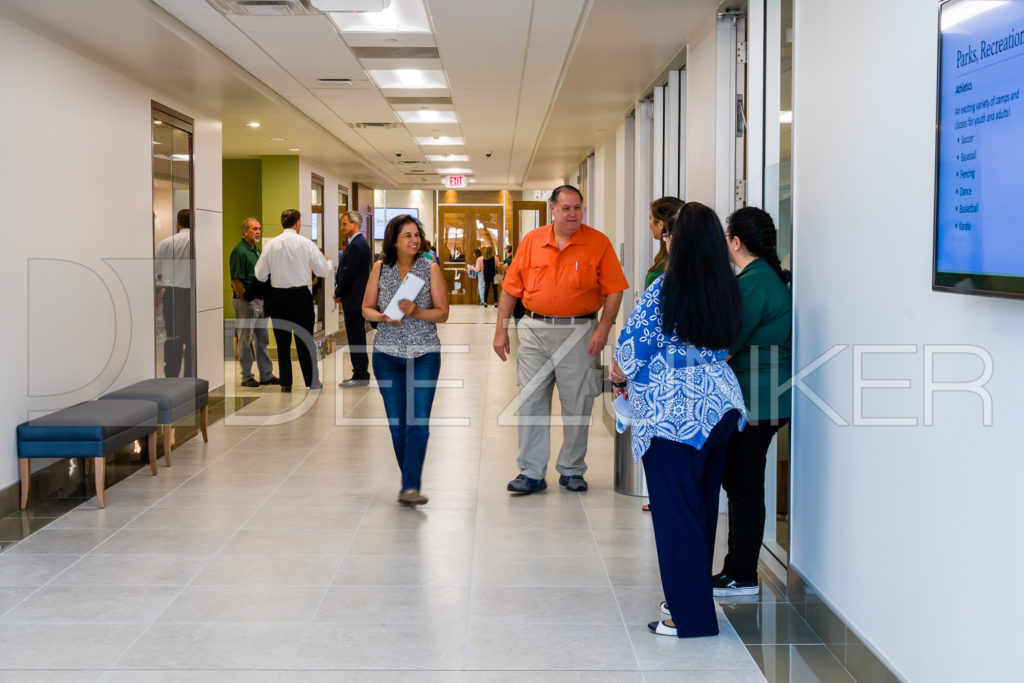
{"points": [[756, 231], [389, 252], [662, 210], [477, 253], [700, 296]]}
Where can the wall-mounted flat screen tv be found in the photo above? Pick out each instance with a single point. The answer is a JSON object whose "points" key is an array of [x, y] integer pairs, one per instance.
{"points": [[979, 198], [381, 218]]}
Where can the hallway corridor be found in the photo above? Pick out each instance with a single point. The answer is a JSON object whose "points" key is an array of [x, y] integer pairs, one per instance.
{"points": [[278, 553]]}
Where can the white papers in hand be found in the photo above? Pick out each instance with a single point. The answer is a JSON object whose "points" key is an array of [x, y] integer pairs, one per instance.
{"points": [[410, 287]]}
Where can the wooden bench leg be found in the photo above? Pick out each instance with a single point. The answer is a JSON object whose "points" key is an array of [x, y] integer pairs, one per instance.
{"points": [[168, 438], [151, 447], [204, 422], [101, 479], [26, 476]]}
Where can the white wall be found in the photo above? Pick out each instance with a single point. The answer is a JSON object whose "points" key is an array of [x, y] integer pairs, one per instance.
{"points": [[330, 228], [912, 533], [77, 256], [412, 199], [700, 115]]}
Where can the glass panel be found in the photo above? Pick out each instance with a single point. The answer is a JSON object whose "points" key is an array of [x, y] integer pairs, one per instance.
{"points": [[174, 252], [467, 232], [316, 223]]}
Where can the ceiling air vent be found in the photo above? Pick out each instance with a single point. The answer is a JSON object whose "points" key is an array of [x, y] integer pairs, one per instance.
{"points": [[251, 8], [376, 124]]}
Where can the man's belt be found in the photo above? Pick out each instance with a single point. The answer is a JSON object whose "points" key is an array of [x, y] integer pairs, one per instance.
{"points": [[562, 320]]}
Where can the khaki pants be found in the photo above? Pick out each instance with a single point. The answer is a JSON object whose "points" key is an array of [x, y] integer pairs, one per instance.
{"points": [[551, 354]]}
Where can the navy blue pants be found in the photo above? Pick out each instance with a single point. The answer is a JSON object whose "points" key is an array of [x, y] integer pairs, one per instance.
{"points": [[684, 485], [407, 386]]}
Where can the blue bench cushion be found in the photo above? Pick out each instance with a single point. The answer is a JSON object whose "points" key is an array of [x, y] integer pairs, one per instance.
{"points": [[175, 396], [86, 430]]}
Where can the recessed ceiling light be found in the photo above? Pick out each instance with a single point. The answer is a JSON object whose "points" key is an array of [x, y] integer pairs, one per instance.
{"points": [[399, 17], [278, 139], [157, 122], [456, 171], [440, 140], [253, 124], [409, 79], [472, 180], [428, 116], [293, 149], [447, 157]]}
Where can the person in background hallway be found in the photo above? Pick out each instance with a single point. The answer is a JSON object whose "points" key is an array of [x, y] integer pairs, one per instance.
{"points": [[407, 352], [670, 363], [288, 261], [564, 272], [248, 305], [490, 270], [350, 285], [761, 361], [174, 254], [661, 211], [478, 272], [519, 311]]}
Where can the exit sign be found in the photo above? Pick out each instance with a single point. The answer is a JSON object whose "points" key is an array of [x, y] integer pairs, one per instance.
{"points": [[454, 181]]}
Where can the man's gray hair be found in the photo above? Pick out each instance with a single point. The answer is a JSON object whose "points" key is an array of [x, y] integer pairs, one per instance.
{"points": [[354, 217], [247, 222]]}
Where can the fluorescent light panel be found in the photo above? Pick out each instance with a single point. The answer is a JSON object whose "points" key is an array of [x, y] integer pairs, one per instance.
{"points": [[456, 171], [428, 116], [448, 157], [441, 140], [402, 16], [409, 79]]}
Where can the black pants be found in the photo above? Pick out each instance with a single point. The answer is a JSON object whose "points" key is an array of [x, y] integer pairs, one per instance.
{"points": [[177, 302], [294, 305], [683, 483], [489, 286], [744, 483], [355, 329]]}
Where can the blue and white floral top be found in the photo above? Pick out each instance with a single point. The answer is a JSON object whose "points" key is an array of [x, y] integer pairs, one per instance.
{"points": [[677, 391]]}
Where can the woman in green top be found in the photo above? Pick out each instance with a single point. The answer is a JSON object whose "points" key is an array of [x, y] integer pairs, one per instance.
{"points": [[661, 211], [761, 361]]}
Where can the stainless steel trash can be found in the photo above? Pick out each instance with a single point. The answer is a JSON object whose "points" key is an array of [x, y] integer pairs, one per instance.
{"points": [[629, 475]]}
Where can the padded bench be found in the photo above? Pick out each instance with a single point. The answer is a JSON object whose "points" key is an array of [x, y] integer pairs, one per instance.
{"points": [[175, 397], [86, 430]]}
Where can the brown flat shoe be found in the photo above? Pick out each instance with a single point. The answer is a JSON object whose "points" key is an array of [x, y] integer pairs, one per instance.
{"points": [[412, 497]]}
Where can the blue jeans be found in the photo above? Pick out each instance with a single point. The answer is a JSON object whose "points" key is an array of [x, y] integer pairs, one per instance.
{"points": [[407, 386]]}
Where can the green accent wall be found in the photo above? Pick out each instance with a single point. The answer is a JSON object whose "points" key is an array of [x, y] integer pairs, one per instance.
{"points": [[243, 197], [280, 191]]}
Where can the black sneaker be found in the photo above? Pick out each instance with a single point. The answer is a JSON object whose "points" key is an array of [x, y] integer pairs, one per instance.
{"points": [[575, 482], [724, 585], [250, 383], [523, 484]]}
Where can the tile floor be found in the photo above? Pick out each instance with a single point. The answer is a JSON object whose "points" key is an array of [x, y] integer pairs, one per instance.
{"points": [[278, 553]]}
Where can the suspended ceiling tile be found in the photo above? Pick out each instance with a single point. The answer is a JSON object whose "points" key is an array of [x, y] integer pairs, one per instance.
{"points": [[360, 97], [359, 39], [562, 15], [192, 8], [430, 129], [299, 24], [479, 8]]}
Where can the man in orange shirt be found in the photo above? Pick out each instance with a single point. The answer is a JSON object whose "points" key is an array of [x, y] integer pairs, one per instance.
{"points": [[564, 272]]}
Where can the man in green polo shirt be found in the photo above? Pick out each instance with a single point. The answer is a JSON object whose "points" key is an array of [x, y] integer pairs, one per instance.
{"points": [[247, 302]]}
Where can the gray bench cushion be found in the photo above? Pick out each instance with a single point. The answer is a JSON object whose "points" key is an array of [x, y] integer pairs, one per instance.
{"points": [[175, 396], [86, 430]]}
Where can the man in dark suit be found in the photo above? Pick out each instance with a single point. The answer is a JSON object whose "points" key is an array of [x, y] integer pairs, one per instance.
{"points": [[349, 285]]}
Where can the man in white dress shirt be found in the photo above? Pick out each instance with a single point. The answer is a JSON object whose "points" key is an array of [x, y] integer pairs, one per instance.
{"points": [[288, 261], [174, 280]]}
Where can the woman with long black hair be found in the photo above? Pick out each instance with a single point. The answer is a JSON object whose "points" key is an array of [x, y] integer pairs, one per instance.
{"points": [[761, 360], [670, 362]]}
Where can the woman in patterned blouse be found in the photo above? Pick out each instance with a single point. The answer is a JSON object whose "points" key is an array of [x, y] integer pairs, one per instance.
{"points": [[686, 403]]}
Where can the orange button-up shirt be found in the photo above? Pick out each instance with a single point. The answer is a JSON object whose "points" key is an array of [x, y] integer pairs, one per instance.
{"points": [[564, 282]]}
